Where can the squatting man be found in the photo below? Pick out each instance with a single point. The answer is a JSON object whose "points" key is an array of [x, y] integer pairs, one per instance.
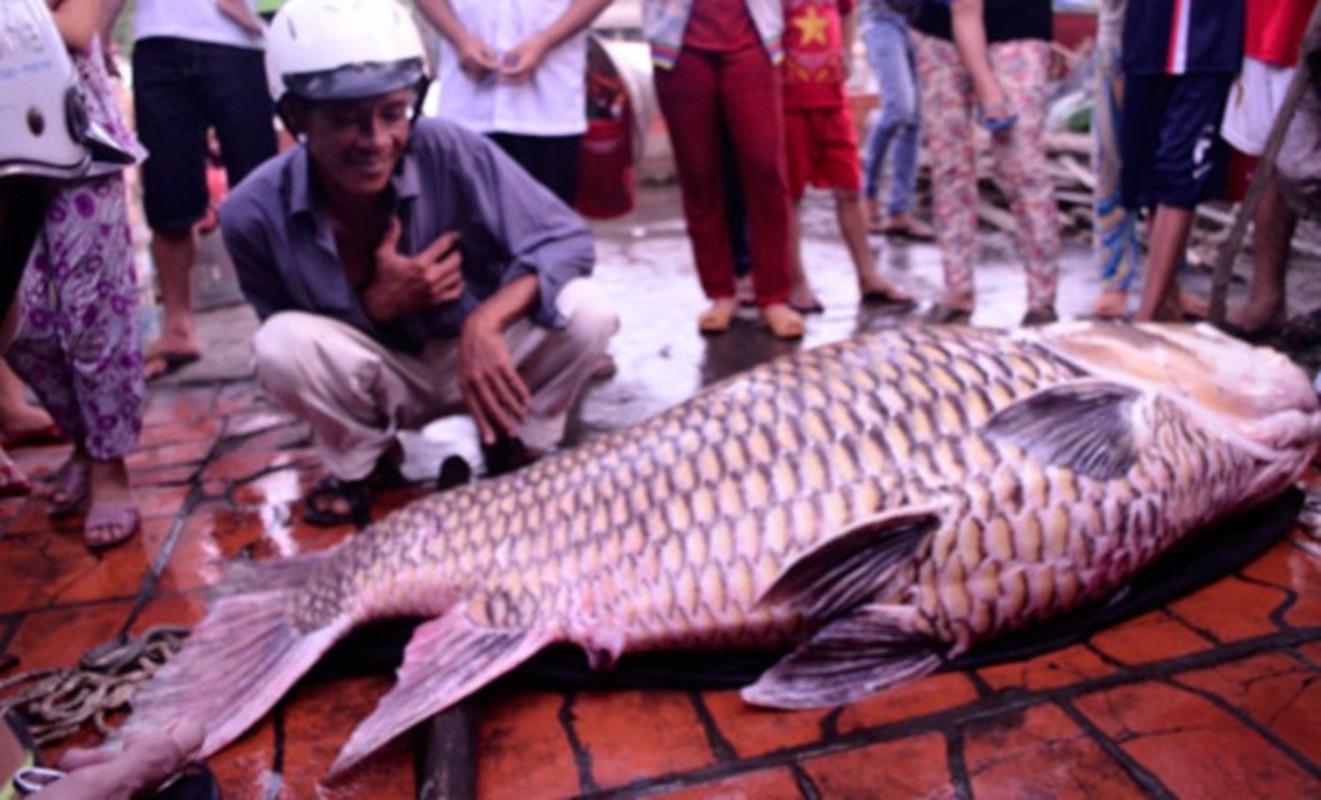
{"points": [[403, 269]]}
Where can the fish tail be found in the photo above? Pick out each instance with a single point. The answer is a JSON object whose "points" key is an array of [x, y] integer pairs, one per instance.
{"points": [[242, 657]]}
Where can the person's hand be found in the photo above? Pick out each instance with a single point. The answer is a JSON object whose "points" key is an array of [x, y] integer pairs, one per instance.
{"points": [[146, 762], [494, 392], [404, 284], [477, 59], [521, 62]]}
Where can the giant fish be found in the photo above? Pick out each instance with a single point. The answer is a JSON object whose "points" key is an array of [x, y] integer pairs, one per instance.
{"points": [[873, 507]]}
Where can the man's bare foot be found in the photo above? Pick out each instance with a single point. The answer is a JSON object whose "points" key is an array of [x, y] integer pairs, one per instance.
{"points": [[1256, 319], [1110, 304], [716, 319], [784, 322]]}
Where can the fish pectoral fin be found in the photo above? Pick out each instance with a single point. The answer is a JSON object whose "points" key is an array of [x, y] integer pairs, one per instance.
{"points": [[859, 654], [447, 659], [855, 566], [1086, 426]]}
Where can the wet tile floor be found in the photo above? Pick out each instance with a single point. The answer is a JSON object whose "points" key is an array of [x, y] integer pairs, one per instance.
{"points": [[1217, 694]]}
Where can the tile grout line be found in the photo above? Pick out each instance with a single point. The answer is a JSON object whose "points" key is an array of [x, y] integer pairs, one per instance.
{"points": [[151, 580], [1252, 724], [944, 721], [1143, 777]]}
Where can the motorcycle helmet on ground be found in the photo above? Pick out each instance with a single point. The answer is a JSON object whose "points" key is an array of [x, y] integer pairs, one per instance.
{"points": [[327, 50]]}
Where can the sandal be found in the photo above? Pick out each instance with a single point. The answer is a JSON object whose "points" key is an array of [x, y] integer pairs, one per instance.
{"points": [[120, 518], [74, 482], [997, 117], [358, 495], [890, 302], [12, 480]]}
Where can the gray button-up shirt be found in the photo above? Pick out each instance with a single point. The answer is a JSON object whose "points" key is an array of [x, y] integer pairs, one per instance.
{"points": [[449, 179]]}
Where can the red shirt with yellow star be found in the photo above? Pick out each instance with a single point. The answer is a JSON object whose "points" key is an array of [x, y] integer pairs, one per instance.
{"points": [[814, 71]]}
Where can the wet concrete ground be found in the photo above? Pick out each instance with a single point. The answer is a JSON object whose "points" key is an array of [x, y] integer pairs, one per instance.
{"points": [[1213, 695]]}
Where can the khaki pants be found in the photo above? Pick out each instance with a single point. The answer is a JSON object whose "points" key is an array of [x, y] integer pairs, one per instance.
{"points": [[357, 394]]}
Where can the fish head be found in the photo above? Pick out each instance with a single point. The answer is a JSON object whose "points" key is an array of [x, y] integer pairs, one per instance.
{"points": [[1254, 396]]}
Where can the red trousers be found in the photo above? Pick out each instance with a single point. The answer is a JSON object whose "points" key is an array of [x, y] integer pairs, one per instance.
{"points": [[740, 88]]}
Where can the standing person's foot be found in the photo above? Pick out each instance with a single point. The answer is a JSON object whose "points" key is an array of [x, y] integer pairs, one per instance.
{"points": [[12, 480], [1043, 315], [1110, 304], [804, 301], [113, 516], [66, 490], [1192, 306], [906, 227], [718, 317], [784, 322], [167, 356], [876, 291], [1257, 321]]}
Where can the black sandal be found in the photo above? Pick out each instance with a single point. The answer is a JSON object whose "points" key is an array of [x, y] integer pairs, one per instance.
{"points": [[358, 495]]}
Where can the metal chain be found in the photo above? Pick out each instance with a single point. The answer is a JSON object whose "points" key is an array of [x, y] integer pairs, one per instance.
{"points": [[57, 702]]}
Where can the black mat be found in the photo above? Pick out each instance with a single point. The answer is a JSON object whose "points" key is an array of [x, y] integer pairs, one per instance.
{"points": [[1198, 560]]}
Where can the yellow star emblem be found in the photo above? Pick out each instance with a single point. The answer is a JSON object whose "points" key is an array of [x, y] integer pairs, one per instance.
{"points": [[813, 26]]}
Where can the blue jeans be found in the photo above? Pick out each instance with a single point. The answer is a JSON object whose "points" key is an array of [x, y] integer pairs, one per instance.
{"points": [[890, 55]]}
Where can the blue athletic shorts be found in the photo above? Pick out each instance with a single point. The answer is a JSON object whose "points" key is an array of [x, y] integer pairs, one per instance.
{"points": [[1169, 138], [180, 89]]}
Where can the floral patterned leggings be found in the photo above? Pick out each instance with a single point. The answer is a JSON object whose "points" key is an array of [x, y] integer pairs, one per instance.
{"points": [[77, 341], [949, 110]]}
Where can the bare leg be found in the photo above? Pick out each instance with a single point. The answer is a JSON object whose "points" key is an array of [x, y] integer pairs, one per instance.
{"points": [[853, 228], [1274, 227], [174, 253], [1169, 241], [801, 296]]}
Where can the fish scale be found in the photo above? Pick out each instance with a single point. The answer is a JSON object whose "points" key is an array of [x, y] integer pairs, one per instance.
{"points": [[881, 504]]}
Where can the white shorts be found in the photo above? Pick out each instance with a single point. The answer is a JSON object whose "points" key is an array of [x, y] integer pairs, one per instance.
{"points": [[1254, 100]]}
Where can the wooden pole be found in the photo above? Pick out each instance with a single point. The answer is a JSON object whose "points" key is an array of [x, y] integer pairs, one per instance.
{"points": [[1224, 267]]}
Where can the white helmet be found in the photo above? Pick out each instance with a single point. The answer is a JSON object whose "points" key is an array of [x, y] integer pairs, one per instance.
{"points": [[343, 50], [43, 128]]}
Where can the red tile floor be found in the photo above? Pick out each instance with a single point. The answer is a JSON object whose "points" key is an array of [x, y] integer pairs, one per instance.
{"points": [[1217, 694]]}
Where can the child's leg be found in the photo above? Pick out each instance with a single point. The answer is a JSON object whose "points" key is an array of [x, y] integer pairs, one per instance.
{"points": [[1169, 242], [853, 229], [969, 29], [17, 416]]}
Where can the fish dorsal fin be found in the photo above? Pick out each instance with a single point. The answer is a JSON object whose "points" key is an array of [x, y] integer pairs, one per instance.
{"points": [[853, 567], [447, 659], [869, 649], [1086, 426]]}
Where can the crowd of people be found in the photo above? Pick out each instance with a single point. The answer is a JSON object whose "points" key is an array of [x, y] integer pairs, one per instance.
{"points": [[407, 266]]}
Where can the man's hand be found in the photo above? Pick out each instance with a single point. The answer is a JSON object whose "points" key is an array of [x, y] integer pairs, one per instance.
{"points": [[493, 391], [404, 284], [520, 63], [477, 59]]}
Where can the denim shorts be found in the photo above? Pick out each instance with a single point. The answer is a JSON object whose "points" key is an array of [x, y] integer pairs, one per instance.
{"points": [[180, 89]]}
